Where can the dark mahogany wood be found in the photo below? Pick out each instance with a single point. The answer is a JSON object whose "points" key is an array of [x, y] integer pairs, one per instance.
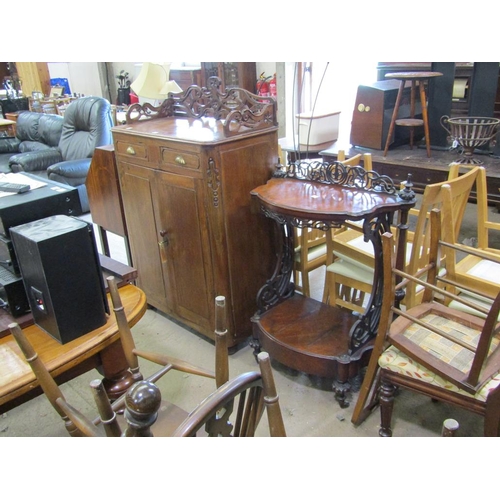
{"points": [[296, 344], [194, 233], [303, 333], [105, 201]]}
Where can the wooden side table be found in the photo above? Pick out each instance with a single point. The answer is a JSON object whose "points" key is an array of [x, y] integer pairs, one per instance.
{"points": [[8, 126], [299, 331], [416, 78]]}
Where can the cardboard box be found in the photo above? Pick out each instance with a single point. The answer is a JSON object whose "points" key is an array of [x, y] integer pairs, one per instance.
{"points": [[318, 129]]}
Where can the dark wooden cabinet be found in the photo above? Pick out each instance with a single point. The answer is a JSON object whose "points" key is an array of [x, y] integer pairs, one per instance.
{"points": [[193, 231], [186, 76], [232, 74], [372, 113]]}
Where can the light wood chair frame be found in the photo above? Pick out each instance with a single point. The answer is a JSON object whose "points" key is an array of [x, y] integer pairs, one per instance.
{"points": [[378, 384], [344, 291], [419, 239]]}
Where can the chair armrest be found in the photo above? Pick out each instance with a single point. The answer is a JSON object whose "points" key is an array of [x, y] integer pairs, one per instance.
{"points": [[9, 145], [72, 172], [36, 160]]}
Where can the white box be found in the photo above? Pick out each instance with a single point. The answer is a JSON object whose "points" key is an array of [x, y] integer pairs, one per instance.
{"points": [[317, 129]]}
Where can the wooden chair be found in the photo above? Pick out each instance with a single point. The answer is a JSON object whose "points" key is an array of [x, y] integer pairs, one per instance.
{"points": [[310, 253], [344, 291], [476, 273], [146, 414], [168, 363], [354, 262], [430, 348], [249, 393], [132, 355], [311, 248]]}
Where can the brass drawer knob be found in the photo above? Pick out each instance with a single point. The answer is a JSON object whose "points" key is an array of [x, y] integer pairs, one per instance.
{"points": [[130, 150], [180, 160]]}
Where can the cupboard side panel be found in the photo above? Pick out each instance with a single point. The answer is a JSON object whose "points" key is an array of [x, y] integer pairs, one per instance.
{"points": [[249, 235]]}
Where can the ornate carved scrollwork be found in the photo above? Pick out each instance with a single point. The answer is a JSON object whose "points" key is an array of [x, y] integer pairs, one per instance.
{"points": [[366, 327], [337, 173], [239, 109], [213, 181], [279, 287]]}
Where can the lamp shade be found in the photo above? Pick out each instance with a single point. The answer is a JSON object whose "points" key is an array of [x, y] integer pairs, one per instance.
{"points": [[153, 82]]}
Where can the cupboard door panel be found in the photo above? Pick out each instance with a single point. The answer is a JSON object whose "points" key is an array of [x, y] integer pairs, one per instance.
{"points": [[137, 185], [182, 225]]}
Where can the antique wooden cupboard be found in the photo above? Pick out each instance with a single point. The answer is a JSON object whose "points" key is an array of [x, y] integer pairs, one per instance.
{"points": [[231, 74], [193, 232]]}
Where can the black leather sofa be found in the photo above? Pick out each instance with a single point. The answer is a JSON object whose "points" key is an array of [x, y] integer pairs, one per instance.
{"points": [[34, 132], [86, 125]]}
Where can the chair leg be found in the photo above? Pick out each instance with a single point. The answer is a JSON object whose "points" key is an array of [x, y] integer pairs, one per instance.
{"points": [[492, 416], [386, 405], [450, 428], [306, 290], [327, 295], [297, 280], [335, 291]]}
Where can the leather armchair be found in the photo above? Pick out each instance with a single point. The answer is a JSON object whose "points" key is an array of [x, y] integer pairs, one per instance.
{"points": [[86, 125], [34, 132]]}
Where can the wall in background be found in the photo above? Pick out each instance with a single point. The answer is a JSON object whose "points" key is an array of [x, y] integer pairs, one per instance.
{"points": [[330, 91], [83, 77]]}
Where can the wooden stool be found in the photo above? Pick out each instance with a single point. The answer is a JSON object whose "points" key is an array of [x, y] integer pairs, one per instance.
{"points": [[415, 77]]}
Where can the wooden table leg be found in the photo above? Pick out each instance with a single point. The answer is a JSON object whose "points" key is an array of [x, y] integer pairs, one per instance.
{"points": [[423, 101], [115, 369], [394, 116]]}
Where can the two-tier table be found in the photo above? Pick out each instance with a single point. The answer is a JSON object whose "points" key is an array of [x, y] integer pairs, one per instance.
{"points": [[298, 331]]}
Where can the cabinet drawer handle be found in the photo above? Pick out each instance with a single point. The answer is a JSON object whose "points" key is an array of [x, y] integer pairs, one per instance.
{"points": [[180, 160], [130, 150]]}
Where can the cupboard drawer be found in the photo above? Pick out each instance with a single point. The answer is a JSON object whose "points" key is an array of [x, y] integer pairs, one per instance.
{"points": [[179, 158], [134, 150]]}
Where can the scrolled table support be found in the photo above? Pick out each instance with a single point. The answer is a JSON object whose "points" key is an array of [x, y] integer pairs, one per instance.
{"points": [[366, 327], [279, 287]]}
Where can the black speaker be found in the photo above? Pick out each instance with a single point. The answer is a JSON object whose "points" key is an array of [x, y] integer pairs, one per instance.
{"points": [[59, 264], [12, 294], [8, 258]]}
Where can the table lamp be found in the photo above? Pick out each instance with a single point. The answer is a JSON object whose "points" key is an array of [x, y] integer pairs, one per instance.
{"points": [[153, 82]]}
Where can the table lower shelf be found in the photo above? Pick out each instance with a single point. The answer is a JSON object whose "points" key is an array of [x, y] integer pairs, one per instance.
{"points": [[312, 337]]}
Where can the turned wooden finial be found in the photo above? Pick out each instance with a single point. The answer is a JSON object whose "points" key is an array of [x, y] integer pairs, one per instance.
{"points": [[142, 403]]}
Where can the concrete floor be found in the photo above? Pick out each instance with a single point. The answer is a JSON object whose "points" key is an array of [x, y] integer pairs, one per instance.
{"points": [[308, 405]]}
